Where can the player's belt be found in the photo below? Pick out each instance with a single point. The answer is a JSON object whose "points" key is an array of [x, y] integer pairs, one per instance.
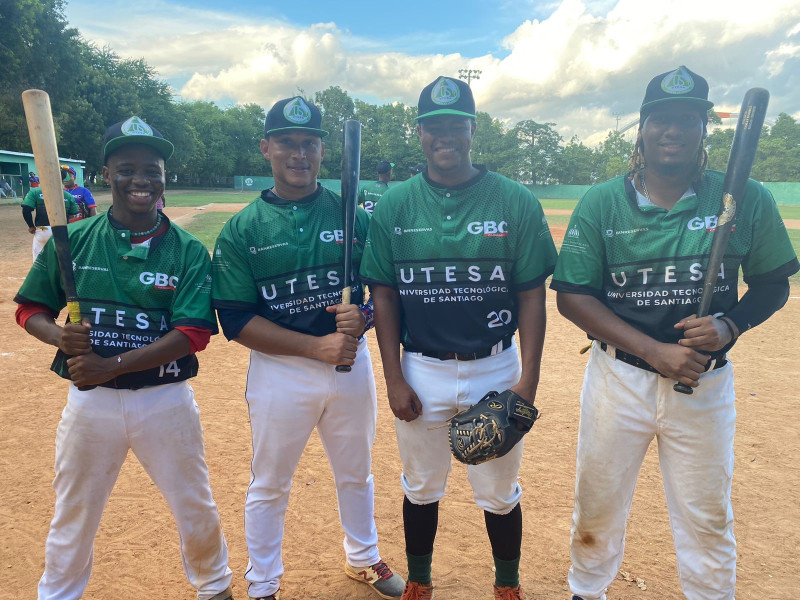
{"points": [[711, 365], [503, 344]]}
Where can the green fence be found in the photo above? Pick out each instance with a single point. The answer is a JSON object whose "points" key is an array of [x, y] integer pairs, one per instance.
{"points": [[785, 193]]}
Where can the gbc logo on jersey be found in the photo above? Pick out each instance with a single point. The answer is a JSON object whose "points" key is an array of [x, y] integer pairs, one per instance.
{"points": [[488, 228], [708, 223], [161, 281], [337, 235]]}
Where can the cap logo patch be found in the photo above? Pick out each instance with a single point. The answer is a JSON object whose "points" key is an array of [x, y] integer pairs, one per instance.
{"points": [[445, 92], [297, 111], [678, 82], [135, 126]]}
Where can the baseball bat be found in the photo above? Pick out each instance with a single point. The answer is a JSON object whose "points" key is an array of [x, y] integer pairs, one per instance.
{"points": [[740, 162], [45, 153], [351, 158]]}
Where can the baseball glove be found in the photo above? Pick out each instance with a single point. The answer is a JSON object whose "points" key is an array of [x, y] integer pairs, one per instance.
{"points": [[491, 428]]}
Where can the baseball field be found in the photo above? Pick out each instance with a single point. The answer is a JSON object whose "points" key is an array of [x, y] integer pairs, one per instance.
{"points": [[136, 550]]}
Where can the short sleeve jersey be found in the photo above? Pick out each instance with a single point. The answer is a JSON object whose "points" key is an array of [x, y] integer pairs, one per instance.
{"points": [[647, 264], [131, 295], [283, 260], [82, 196], [34, 199], [457, 257], [370, 194]]}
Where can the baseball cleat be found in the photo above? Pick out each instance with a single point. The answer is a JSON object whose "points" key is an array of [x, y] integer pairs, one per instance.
{"points": [[379, 577], [225, 595], [507, 592], [417, 591], [275, 596]]}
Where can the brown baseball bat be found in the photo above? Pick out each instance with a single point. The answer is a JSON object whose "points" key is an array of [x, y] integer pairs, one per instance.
{"points": [[351, 160], [740, 162], [45, 152]]}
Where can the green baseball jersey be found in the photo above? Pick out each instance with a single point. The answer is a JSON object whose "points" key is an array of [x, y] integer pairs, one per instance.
{"points": [[34, 199], [457, 256], [647, 264], [369, 195], [131, 295], [283, 260]]}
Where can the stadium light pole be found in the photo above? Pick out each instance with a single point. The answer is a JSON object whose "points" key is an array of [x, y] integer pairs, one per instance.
{"points": [[617, 116], [469, 74]]}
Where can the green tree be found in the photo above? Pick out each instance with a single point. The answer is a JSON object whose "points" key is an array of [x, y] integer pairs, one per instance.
{"points": [[576, 164], [538, 147], [492, 146], [336, 107], [613, 156]]}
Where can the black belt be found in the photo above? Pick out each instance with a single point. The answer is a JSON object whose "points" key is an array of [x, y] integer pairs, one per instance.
{"points": [[642, 364], [506, 341]]}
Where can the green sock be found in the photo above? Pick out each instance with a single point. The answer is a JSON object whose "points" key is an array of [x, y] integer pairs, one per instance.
{"points": [[506, 572], [419, 567]]}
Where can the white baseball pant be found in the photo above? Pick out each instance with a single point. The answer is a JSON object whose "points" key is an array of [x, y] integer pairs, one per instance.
{"points": [[287, 397], [161, 424], [40, 237], [446, 387], [622, 409]]}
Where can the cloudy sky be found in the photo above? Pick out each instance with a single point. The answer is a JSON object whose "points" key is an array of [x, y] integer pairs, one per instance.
{"points": [[572, 62]]}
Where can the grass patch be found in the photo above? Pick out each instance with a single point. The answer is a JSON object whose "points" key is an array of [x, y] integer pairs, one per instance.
{"points": [[202, 197], [206, 226], [558, 220], [562, 203], [789, 212]]}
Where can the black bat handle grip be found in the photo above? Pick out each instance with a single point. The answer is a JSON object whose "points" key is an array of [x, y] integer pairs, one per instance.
{"points": [[683, 388]]}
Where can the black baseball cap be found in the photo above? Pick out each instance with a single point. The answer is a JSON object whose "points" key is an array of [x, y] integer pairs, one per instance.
{"points": [[135, 131], [417, 168], [384, 166], [446, 96], [680, 85], [294, 113]]}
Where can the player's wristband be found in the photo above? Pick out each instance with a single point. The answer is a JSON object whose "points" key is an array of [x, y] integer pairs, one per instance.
{"points": [[727, 322]]}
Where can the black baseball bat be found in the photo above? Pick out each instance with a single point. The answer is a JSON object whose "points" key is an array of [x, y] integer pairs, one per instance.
{"points": [[351, 159], [740, 162]]}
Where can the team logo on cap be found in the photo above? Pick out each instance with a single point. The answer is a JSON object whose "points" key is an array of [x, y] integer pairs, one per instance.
{"points": [[297, 111], [678, 82], [135, 126], [445, 92]]}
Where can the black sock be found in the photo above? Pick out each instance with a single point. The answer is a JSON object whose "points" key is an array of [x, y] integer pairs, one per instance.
{"points": [[505, 533], [420, 522]]}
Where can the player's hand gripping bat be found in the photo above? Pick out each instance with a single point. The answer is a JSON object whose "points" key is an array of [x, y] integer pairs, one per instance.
{"points": [[45, 153], [351, 158], [740, 161]]}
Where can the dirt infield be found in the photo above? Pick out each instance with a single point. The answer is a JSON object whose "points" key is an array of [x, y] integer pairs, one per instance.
{"points": [[136, 551]]}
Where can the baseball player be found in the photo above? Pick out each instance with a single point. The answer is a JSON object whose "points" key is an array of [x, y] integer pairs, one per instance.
{"points": [[369, 194], [278, 278], [83, 197], [630, 274], [39, 226], [145, 288], [416, 169], [456, 260], [33, 180]]}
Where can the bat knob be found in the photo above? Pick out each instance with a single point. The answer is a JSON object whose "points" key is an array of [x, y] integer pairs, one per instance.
{"points": [[682, 388], [342, 369]]}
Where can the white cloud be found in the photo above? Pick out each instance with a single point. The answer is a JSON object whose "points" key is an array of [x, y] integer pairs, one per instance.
{"points": [[582, 63]]}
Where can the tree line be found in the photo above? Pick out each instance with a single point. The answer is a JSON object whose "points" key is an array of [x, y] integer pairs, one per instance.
{"points": [[91, 87]]}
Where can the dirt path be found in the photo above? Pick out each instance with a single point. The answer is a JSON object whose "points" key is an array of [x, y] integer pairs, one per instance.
{"points": [[136, 551]]}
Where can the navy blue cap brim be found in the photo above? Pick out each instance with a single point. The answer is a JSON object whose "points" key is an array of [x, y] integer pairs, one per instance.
{"points": [[320, 132], [162, 146]]}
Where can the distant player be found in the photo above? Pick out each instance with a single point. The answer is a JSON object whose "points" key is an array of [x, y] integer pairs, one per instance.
{"points": [[416, 169], [145, 288], [630, 274], [83, 197], [277, 289], [456, 261], [33, 180], [39, 225], [370, 193]]}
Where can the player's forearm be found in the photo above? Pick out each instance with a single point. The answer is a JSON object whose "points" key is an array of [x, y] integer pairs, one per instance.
{"points": [[263, 335], [44, 328], [596, 319], [172, 346], [387, 329], [532, 324]]}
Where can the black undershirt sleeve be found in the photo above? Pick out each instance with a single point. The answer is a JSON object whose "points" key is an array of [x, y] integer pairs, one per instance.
{"points": [[759, 303], [233, 321], [27, 213]]}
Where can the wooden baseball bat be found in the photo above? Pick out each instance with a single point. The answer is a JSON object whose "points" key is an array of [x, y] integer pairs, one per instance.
{"points": [[45, 153], [351, 159], [740, 162]]}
